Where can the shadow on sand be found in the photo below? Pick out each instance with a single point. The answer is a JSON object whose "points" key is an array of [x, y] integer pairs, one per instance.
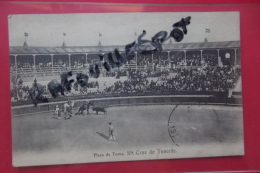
{"points": [[102, 135]]}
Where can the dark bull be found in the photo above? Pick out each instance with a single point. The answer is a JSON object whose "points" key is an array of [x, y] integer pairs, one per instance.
{"points": [[99, 109]]}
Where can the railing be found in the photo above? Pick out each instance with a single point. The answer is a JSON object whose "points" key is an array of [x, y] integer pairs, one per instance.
{"points": [[53, 71], [119, 100], [215, 95]]}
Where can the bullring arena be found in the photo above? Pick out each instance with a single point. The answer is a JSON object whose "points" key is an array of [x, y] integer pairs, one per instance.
{"points": [[177, 120], [206, 129]]}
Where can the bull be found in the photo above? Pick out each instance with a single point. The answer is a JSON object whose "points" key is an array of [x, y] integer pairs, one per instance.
{"points": [[99, 109]]}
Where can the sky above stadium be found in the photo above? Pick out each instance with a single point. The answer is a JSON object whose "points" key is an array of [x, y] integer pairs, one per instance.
{"points": [[117, 28]]}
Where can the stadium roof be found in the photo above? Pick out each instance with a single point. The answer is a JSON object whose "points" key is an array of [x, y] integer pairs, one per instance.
{"points": [[95, 49]]}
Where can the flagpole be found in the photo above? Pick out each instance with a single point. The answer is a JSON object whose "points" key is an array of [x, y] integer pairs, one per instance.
{"points": [[25, 39], [206, 31], [99, 43], [25, 35]]}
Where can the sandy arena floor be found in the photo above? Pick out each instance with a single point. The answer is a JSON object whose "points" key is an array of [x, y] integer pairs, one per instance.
{"points": [[203, 131]]}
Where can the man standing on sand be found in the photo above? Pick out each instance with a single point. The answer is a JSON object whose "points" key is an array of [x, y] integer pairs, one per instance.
{"points": [[57, 111], [111, 133], [68, 109]]}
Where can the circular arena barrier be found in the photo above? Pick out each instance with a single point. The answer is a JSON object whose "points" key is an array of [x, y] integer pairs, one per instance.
{"points": [[129, 101]]}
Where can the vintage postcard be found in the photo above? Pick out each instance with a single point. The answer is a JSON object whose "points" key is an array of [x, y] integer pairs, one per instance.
{"points": [[106, 87]]}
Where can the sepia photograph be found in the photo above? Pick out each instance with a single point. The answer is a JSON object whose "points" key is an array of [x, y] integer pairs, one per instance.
{"points": [[110, 87]]}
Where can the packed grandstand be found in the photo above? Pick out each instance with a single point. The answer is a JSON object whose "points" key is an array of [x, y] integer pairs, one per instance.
{"points": [[193, 67]]}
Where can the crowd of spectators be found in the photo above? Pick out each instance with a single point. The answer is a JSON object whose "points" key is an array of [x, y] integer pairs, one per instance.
{"points": [[20, 94], [60, 61], [12, 64], [43, 62], [24, 64], [144, 60], [77, 64], [132, 73], [161, 60], [219, 79], [92, 84], [115, 73], [202, 79], [91, 59], [207, 78], [137, 84], [210, 59], [201, 74], [12, 67], [193, 60], [177, 59]]}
